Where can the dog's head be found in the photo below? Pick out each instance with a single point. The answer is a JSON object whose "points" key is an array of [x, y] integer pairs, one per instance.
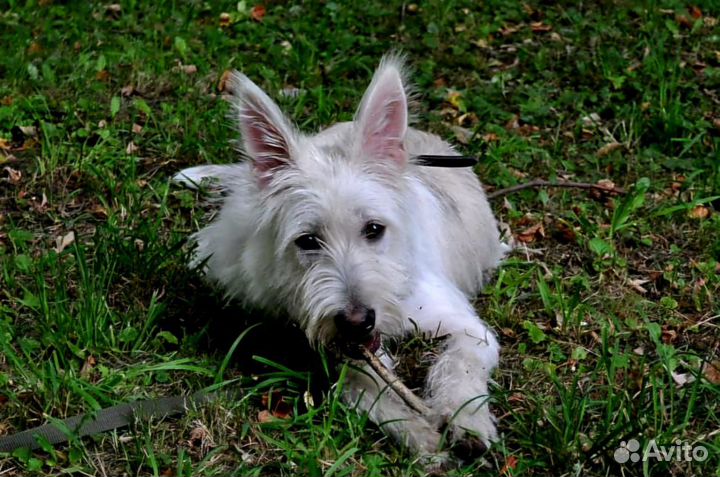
{"points": [[334, 207]]}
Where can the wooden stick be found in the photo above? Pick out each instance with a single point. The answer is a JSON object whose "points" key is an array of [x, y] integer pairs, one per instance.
{"points": [[394, 382], [543, 183]]}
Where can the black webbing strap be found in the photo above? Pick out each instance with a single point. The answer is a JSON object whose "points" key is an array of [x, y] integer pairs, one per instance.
{"points": [[444, 161], [107, 419]]}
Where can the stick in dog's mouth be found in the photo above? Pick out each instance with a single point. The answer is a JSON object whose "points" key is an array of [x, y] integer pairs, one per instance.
{"points": [[410, 398]]}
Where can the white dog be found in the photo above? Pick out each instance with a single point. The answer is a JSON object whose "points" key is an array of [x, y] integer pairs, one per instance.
{"points": [[343, 232]]}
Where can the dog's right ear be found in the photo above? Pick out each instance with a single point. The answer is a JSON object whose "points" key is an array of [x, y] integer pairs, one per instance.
{"points": [[268, 137]]}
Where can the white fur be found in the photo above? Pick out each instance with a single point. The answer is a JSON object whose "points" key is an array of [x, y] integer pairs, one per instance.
{"points": [[441, 241]]}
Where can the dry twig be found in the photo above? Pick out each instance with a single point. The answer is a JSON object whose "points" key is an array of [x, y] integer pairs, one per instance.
{"points": [[394, 382], [543, 183]]}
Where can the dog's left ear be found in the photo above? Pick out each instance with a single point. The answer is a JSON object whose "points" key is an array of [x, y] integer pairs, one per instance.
{"points": [[383, 114]]}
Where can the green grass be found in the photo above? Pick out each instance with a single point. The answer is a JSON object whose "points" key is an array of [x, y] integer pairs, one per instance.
{"points": [[599, 316]]}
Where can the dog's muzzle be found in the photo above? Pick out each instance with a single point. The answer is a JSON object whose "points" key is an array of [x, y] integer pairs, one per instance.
{"points": [[356, 328]]}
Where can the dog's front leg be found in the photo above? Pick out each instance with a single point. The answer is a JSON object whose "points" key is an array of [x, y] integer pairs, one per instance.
{"points": [[457, 383], [367, 391]]}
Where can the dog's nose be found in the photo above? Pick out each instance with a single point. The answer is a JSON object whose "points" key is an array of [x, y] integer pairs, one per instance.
{"points": [[357, 324]]}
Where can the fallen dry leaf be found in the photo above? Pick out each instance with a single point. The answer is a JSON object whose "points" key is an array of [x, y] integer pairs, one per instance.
{"points": [[711, 371], [490, 137], [700, 212], [510, 463], [265, 416], [225, 20], [102, 75], [61, 243], [188, 69], [257, 13], [540, 27], [637, 285], [4, 144], [462, 135], [88, 366], [531, 233], [34, 48], [131, 148], [29, 131], [224, 78], [564, 232], [608, 148], [127, 90], [681, 379], [695, 12], [509, 30], [13, 175], [136, 128], [454, 98], [279, 408]]}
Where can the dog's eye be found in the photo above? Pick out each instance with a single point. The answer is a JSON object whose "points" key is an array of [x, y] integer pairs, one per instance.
{"points": [[373, 231], [308, 242]]}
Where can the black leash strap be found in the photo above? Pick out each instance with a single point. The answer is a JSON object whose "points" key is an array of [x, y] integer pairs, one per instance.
{"points": [[444, 161], [107, 419]]}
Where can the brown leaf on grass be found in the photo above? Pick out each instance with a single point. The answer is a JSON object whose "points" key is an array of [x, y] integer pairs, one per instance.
{"points": [[669, 336], [510, 463], [608, 148], [98, 211], [114, 9], [462, 135], [454, 98], [223, 82], [490, 137], [695, 12], [564, 232], [127, 90], [88, 366], [522, 129], [131, 148], [265, 416], [35, 48], [258, 13], [7, 101], [5, 144], [276, 404], [716, 122], [188, 69], [29, 131], [200, 436], [509, 30], [711, 371], [684, 21], [225, 20], [61, 243], [637, 285], [14, 176], [540, 27], [532, 233], [136, 128], [102, 75], [699, 213]]}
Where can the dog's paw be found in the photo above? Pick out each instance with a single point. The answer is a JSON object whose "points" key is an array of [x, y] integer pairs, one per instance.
{"points": [[420, 436], [435, 464], [473, 429]]}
